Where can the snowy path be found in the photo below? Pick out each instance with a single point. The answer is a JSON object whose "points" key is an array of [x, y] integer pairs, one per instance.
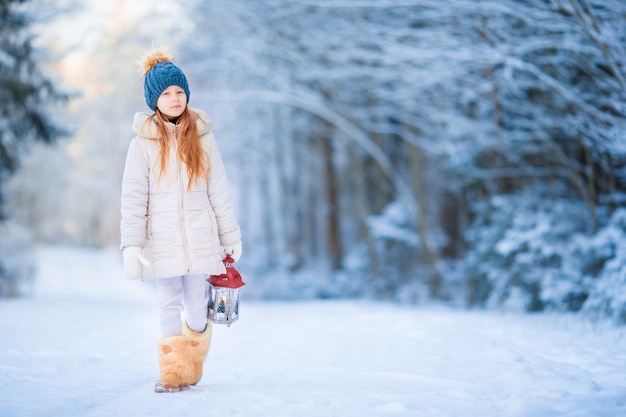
{"points": [[84, 346]]}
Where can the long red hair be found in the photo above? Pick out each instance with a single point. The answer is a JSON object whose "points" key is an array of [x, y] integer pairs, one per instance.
{"points": [[189, 149]]}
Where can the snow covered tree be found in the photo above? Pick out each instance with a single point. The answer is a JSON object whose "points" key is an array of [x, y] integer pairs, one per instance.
{"points": [[555, 78], [26, 93], [461, 104], [26, 99]]}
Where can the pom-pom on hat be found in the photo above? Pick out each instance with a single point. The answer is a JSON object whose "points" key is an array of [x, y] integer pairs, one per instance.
{"points": [[160, 73]]}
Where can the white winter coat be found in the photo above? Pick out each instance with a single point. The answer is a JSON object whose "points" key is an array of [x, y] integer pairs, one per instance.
{"points": [[180, 231]]}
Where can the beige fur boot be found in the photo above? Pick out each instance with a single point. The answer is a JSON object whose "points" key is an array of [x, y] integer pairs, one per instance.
{"points": [[173, 358], [198, 348]]}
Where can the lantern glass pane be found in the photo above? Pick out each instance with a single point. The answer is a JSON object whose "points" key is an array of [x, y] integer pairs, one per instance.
{"points": [[223, 305]]}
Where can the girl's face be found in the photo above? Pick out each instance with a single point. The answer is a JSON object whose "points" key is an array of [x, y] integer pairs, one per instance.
{"points": [[172, 101]]}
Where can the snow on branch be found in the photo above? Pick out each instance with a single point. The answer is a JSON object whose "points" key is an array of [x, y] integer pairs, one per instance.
{"points": [[319, 108]]}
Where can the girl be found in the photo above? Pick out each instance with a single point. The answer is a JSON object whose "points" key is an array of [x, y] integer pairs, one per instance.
{"points": [[177, 218]]}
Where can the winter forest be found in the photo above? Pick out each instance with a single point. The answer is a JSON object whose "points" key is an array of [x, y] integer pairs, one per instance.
{"points": [[469, 153]]}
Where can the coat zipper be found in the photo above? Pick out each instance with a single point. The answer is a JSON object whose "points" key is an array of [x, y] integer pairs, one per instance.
{"points": [[181, 206]]}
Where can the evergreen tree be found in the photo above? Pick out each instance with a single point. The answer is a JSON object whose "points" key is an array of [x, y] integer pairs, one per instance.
{"points": [[26, 94], [26, 99]]}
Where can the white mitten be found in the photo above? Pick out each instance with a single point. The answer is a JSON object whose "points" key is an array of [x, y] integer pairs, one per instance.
{"points": [[234, 251], [132, 262]]}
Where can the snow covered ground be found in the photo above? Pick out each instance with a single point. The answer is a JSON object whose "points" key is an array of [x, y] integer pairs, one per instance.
{"points": [[84, 345]]}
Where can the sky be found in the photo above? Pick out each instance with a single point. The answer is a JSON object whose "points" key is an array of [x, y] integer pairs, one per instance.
{"points": [[76, 32]]}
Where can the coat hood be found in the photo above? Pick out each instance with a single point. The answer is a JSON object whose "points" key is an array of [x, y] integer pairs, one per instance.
{"points": [[149, 131]]}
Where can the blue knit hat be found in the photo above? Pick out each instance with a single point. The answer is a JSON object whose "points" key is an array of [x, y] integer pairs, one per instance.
{"points": [[160, 73]]}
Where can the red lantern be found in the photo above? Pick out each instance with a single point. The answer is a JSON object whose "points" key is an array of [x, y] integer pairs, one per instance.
{"points": [[224, 294]]}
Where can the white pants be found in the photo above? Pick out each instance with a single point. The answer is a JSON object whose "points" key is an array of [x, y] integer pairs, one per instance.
{"points": [[188, 293]]}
